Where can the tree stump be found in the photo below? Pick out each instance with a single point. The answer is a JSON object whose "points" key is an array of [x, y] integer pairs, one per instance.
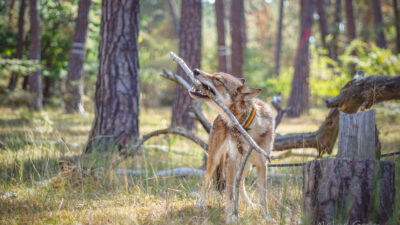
{"points": [[354, 188]]}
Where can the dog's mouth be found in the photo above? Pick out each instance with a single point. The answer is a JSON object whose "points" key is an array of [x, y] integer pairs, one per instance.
{"points": [[203, 91]]}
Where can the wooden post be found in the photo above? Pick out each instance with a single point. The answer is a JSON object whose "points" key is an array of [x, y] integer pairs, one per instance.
{"points": [[355, 187]]}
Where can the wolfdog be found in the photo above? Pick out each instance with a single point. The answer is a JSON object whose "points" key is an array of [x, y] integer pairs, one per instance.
{"points": [[226, 143]]}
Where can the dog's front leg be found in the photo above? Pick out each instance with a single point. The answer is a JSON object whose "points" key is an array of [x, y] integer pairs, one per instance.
{"points": [[232, 168], [262, 188]]}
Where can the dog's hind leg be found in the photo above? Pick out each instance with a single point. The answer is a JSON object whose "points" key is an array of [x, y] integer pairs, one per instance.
{"points": [[217, 145], [243, 192], [262, 188]]}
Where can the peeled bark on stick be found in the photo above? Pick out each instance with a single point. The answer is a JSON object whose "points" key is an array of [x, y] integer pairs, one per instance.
{"points": [[74, 83]]}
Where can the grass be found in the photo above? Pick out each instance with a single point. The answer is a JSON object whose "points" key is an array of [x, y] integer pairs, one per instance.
{"points": [[50, 183]]}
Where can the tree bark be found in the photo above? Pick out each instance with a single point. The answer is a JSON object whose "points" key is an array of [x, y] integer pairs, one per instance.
{"points": [[238, 37], [47, 85], [299, 95], [11, 13], [397, 24], [174, 13], [220, 17], [351, 28], [366, 92], [20, 43], [333, 45], [190, 52], [116, 121], [357, 136], [322, 22], [74, 83], [378, 21], [279, 40], [35, 83], [348, 191]]}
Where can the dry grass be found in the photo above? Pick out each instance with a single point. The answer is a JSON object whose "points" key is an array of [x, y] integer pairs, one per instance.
{"points": [[74, 194]]}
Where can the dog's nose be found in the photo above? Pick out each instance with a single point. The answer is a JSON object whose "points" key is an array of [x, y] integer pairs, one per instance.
{"points": [[196, 72]]}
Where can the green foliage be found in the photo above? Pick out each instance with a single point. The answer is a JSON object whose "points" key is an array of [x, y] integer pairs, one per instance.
{"points": [[371, 59], [57, 18], [17, 66]]}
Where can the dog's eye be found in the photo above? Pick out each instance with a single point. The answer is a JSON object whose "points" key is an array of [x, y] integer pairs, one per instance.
{"points": [[218, 81]]}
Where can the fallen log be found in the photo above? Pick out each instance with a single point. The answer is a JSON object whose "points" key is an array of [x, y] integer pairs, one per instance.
{"points": [[357, 94], [365, 92]]}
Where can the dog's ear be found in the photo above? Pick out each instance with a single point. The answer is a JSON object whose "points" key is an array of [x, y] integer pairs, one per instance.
{"points": [[242, 80], [248, 92]]}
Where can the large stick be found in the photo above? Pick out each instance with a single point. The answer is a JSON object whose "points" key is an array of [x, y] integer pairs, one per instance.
{"points": [[223, 106], [238, 126]]}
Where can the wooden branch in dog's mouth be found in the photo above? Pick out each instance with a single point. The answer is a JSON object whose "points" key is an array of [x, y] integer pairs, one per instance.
{"points": [[200, 89]]}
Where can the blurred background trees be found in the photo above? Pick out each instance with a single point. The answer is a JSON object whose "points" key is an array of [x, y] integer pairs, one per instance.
{"points": [[74, 84], [346, 36], [190, 51]]}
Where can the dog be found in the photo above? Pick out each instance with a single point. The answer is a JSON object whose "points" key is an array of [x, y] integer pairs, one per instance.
{"points": [[227, 144]]}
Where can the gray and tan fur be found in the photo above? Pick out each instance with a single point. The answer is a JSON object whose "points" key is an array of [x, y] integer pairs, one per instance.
{"points": [[225, 143]]}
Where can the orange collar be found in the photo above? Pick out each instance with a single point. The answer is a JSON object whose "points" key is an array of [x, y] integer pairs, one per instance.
{"points": [[250, 118]]}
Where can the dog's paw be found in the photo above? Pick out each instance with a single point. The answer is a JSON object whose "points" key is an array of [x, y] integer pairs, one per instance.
{"points": [[201, 204], [267, 217], [251, 204], [232, 219]]}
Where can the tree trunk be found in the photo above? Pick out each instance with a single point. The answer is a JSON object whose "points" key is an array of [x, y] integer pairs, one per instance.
{"points": [[354, 188], [348, 191], [351, 28], [35, 83], [116, 121], [190, 52], [397, 24], [335, 31], [174, 13], [366, 22], [378, 21], [48, 82], [220, 17], [279, 40], [322, 22], [238, 37], [357, 136], [11, 13], [299, 95], [74, 83], [20, 44]]}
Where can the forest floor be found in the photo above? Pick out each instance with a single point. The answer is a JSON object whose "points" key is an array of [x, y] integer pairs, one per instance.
{"points": [[45, 180]]}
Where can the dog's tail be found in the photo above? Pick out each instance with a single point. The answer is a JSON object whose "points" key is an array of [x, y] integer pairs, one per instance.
{"points": [[220, 176]]}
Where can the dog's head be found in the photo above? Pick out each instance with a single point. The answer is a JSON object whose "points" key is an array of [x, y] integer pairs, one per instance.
{"points": [[224, 87]]}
